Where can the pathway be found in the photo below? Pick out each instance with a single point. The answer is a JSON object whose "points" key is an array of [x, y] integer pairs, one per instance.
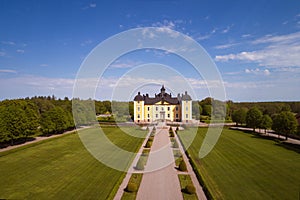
{"points": [[163, 183], [160, 177]]}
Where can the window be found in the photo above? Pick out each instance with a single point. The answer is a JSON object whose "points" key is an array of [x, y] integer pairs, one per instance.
{"points": [[138, 108], [168, 108], [148, 120], [168, 115], [162, 108], [138, 115], [148, 108], [148, 115], [176, 115], [186, 116], [156, 108], [186, 108], [176, 108], [156, 115]]}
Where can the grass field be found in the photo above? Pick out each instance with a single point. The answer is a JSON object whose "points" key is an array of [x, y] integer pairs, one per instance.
{"points": [[61, 168], [244, 166]]}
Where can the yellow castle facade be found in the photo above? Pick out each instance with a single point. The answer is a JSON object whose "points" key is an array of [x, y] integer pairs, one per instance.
{"points": [[162, 107]]}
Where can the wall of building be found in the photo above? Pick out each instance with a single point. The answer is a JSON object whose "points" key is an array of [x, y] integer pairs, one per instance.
{"points": [[138, 107], [151, 113], [186, 111]]}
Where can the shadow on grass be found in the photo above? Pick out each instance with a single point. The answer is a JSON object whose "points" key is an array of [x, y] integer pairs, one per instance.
{"points": [[16, 142], [289, 146], [279, 142]]}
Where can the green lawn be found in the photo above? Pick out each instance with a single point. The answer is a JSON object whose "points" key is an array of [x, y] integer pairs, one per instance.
{"points": [[61, 168], [244, 166]]}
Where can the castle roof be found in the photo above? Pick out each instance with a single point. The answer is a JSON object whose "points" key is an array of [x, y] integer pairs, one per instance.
{"points": [[163, 97]]}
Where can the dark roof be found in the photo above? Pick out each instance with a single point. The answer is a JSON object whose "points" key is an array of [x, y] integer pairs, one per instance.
{"points": [[138, 97], [186, 97], [163, 97]]}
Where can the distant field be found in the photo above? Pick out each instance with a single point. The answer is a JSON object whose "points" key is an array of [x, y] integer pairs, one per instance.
{"points": [[61, 168], [243, 166]]}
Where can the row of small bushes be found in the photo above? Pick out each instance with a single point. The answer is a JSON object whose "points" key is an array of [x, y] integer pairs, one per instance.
{"points": [[148, 144], [190, 189], [171, 133], [141, 163], [182, 166], [133, 184], [175, 144], [207, 192]]}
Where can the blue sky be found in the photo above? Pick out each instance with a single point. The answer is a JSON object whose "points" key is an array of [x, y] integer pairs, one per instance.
{"points": [[255, 44]]}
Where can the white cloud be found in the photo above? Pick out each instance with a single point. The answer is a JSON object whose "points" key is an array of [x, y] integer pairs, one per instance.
{"points": [[225, 46], [86, 42], [279, 51], [203, 37], [7, 71], [93, 5], [21, 51], [25, 86], [227, 29], [246, 35], [8, 43], [258, 71], [124, 64], [44, 65], [280, 39]]}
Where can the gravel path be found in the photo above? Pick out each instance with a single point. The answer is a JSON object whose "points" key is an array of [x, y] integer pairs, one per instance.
{"points": [[162, 184]]}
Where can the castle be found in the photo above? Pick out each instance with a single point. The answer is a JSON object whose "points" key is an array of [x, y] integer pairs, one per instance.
{"points": [[162, 107]]}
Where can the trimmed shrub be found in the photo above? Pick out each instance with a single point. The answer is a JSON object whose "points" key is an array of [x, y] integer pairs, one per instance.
{"points": [[151, 138], [175, 144], [182, 166], [140, 165], [171, 134], [131, 187], [190, 189], [148, 144]]}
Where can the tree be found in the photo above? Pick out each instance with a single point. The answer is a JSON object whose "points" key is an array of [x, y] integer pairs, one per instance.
{"points": [[207, 110], [55, 120], [285, 123], [47, 124], [266, 122], [253, 118], [239, 116], [31, 118]]}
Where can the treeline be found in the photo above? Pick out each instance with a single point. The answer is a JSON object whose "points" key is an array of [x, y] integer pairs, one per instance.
{"points": [[40, 115], [209, 108], [22, 118], [47, 115], [283, 121]]}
